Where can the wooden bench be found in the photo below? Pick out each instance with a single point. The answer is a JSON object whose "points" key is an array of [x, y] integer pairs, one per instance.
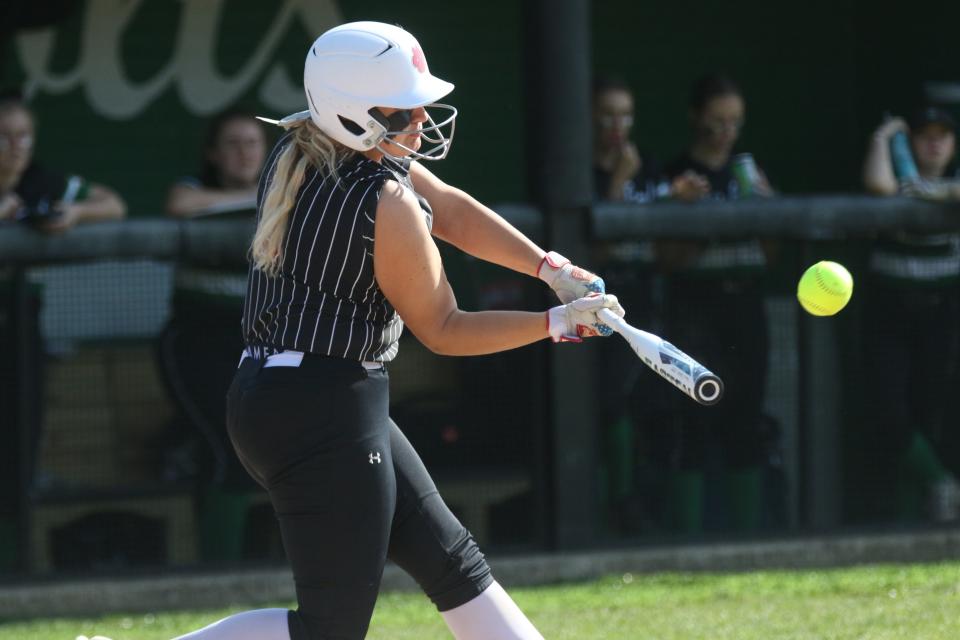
{"points": [[175, 510], [103, 404]]}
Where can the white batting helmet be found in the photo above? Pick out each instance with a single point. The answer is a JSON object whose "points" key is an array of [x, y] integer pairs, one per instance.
{"points": [[354, 68]]}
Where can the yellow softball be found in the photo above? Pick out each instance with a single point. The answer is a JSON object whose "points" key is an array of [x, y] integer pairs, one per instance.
{"points": [[825, 288]]}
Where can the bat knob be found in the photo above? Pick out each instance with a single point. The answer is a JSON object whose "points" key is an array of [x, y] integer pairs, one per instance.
{"points": [[708, 390]]}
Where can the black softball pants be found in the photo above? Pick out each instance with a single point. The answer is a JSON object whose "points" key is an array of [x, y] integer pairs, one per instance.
{"points": [[349, 492]]}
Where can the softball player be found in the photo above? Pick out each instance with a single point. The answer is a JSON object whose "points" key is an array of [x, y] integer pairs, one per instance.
{"points": [[341, 253]]}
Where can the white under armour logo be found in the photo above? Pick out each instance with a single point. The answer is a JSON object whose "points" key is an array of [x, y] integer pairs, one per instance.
{"points": [[374, 457]]}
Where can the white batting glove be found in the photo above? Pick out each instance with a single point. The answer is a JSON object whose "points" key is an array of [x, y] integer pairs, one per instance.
{"points": [[569, 281], [578, 320]]}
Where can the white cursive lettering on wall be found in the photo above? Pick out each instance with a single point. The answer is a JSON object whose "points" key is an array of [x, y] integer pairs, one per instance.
{"points": [[203, 90]]}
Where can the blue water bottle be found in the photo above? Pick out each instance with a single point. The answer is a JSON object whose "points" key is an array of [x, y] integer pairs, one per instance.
{"points": [[904, 165]]}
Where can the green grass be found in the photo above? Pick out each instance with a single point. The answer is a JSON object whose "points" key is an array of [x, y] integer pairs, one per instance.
{"points": [[916, 602]]}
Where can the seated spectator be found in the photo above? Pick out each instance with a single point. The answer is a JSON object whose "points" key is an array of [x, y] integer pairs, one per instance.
{"points": [[620, 171], [201, 345], [717, 113], [911, 333], [50, 200], [714, 310], [233, 155], [933, 143]]}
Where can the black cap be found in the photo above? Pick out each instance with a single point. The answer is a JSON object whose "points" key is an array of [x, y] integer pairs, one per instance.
{"points": [[932, 115]]}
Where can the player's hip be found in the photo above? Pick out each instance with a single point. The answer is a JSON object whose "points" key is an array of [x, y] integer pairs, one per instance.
{"points": [[278, 416]]}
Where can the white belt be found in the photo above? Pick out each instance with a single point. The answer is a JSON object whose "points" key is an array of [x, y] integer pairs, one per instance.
{"points": [[289, 358]]}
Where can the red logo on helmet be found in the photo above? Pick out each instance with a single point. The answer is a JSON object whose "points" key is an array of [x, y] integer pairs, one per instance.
{"points": [[419, 61]]}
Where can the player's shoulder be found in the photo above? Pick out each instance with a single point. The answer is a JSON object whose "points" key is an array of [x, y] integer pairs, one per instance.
{"points": [[356, 168], [398, 206], [397, 197]]}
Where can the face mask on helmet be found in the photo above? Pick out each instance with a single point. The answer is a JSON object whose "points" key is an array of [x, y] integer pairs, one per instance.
{"points": [[430, 132], [353, 69]]}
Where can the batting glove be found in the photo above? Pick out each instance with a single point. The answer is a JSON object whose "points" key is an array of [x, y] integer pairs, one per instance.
{"points": [[578, 320], [570, 282]]}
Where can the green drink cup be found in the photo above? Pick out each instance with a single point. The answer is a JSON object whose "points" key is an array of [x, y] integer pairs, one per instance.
{"points": [[746, 173]]}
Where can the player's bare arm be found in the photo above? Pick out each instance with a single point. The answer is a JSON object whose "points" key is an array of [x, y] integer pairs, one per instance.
{"points": [[474, 228], [408, 269], [470, 226]]}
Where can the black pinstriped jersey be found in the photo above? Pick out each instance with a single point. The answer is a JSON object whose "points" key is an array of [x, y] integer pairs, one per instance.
{"points": [[326, 300]]}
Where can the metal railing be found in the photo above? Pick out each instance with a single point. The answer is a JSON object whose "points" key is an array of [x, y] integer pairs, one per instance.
{"points": [[140, 255]]}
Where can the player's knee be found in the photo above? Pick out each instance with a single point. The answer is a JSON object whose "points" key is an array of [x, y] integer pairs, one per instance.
{"points": [[464, 576]]}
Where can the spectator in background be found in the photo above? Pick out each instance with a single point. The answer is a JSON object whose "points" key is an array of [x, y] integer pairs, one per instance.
{"points": [[620, 171], [714, 310], [233, 155], [51, 200], [933, 143], [197, 355], [911, 336], [717, 113]]}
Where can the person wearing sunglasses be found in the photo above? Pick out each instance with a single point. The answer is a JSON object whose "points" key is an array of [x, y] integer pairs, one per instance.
{"points": [[46, 199], [342, 259], [621, 173]]}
